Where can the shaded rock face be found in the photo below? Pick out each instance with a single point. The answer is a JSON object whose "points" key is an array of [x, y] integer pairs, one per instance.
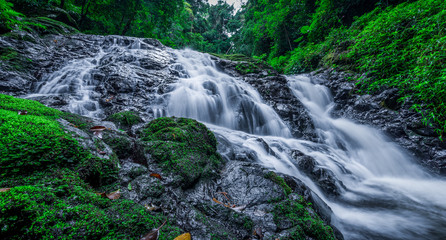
{"points": [[323, 177], [236, 198], [39, 59], [385, 112], [275, 92]]}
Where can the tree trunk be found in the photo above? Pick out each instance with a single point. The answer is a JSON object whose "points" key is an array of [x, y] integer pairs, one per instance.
{"points": [[287, 37]]}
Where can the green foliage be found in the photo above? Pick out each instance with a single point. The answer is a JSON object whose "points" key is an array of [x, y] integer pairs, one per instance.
{"points": [[184, 147], [397, 45], [280, 181], [302, 218], [8, 17], [405, 47]]}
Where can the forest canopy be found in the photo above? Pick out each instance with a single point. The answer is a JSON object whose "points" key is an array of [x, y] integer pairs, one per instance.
{"points": [[395, 43]]}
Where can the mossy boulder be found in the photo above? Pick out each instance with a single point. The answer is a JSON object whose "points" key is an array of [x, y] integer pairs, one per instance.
{"points": [[125, 119], [183, 147], [296, 215], [64, 210], [36, 141], [54, 181]]}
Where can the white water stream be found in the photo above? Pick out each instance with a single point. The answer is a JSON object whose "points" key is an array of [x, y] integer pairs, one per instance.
{"points": [[385, 194]]}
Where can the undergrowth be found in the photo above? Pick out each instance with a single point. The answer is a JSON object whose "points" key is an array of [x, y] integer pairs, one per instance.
{"points": [[402, 46]]}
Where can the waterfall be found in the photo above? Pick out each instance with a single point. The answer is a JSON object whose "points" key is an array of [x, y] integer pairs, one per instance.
{"points": [[381, 192], [208, 95]]}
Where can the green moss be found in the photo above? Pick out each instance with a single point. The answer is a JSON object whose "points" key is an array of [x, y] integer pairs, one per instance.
{"points": [[402, 46], [280, 181], [184, 147], [52, 178], [304, 221], [34, 108], [36, 141], [125, 119], [66, 211], [122, 146]]}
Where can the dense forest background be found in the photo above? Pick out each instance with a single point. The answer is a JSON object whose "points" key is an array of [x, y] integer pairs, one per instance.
{"points": [[392, 43]]}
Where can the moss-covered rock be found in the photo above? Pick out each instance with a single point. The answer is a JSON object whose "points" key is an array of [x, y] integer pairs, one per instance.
{"points": [[125, 119], [67, 211], [296, 214], [51, 177], [280, 181], [184, 147]]}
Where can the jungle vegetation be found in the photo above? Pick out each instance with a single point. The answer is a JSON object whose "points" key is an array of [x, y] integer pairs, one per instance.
{"points": [[390, 43]]}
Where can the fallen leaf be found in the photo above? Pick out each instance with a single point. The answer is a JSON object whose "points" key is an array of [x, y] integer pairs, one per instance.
{"points": [[102, 152], [97, 128], [114, 195], [184, 236], [4, 189], [239, 208], [156, 175], [110, 98], [154, 234], [102, 194]]}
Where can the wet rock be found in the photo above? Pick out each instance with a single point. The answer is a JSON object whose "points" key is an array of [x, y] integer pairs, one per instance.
{"points": [[385, 112], [323, 177], [275, 91]]}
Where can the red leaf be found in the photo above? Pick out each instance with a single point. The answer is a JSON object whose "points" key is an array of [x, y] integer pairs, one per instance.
{"points": [[102, 194], [97, 128], [4, 189], [114, 195], [156, 175]]}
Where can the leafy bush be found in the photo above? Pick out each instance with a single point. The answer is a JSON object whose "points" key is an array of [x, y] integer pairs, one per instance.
{"points": [[402, 47], [405, 47], [8, 17]]}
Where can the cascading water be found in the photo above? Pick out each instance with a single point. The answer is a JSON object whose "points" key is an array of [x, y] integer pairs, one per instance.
{"points": [[386, 195], [382, 193], [205, 94], [75, 80]]}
